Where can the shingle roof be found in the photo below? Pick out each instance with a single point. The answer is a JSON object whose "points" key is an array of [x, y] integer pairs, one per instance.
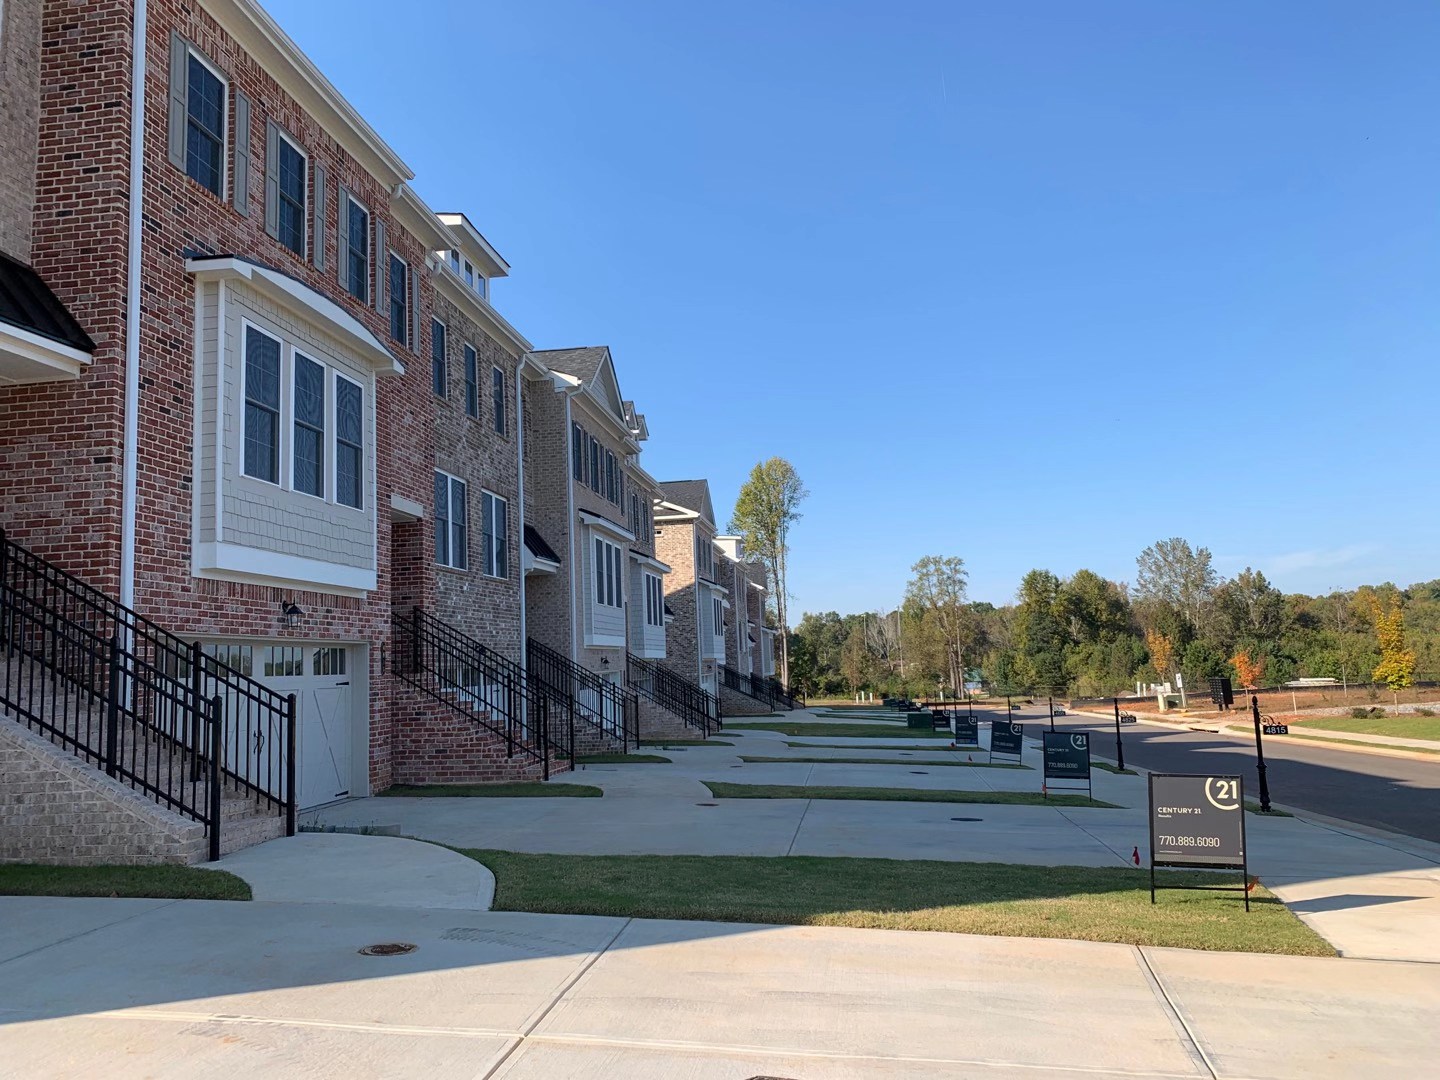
{"points": [[537, 545], [584, 363], [27, 302], [687, 493]]}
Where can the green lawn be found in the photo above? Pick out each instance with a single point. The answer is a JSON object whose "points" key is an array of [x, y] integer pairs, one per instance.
{"points": [[1105, 766], [621, 759], [674, 743], [532, 789], [880, 794], [1345, 742], [1082, 903], [946, 749], [1254, 808], [884, 761], [1399, 727], [155, 882], [839, 731]]}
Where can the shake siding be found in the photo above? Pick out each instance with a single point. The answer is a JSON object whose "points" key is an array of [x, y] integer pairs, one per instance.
{"points": [[208, 387]]}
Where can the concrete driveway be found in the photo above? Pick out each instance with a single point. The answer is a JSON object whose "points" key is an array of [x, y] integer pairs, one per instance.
{"points": [[198, 989]]}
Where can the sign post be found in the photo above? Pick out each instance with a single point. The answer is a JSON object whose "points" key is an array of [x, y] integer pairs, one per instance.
{"points": [[1197, 822], [1050, 701], [1007, 738], [1260, 757], [1067, 757], [1119, 745]]}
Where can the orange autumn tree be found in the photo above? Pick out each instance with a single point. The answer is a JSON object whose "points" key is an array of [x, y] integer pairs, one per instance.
{"points": [[1162, 653], [1397, 663], [1250, 669]]}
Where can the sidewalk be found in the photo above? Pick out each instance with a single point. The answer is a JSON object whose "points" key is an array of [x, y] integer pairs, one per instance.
{"points": [[132, 988]]}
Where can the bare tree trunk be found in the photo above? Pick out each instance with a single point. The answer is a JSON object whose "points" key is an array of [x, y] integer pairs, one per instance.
{"points": [[784, 621]]}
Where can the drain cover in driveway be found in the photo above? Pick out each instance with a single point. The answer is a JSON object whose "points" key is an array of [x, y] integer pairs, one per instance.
{"points": [[918, 772], [707, 804], [389, 948], [967, 819]]}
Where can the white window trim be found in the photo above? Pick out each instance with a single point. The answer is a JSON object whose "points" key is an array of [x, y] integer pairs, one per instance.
{"points": [[347, 200], [281, 441], [610, 555], [327, 434], [305, 215], [224, 194], [484, 531], [334, 442], [449, 521]]}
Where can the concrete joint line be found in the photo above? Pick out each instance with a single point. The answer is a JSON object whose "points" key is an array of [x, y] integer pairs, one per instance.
{"points": [[1124, 859], [1193, 1047], [808, 803], [528, 1029], [84, 933], [303, 1022]]}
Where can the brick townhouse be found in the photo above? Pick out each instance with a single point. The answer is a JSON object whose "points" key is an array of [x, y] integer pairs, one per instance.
{"points": [[252, 388]]}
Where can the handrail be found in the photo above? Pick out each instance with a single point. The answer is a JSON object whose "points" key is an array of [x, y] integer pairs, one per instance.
{"points": [[156, 712], [477, 683], [694, 704], [611, 709]]}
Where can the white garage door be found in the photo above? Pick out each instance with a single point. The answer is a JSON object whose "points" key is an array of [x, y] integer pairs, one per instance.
{"points": [[318, 676]]}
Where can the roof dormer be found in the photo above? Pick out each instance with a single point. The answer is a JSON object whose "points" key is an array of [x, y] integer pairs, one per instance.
{"points": [[474, 262]]}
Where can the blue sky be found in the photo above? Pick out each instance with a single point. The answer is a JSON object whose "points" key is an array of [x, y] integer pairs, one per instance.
{"points": [[1035, 284]]}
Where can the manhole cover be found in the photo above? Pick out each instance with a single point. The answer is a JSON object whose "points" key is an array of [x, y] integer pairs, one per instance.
{"points": [[918, 772], [967, 819], [388, 948], [707, 804]]}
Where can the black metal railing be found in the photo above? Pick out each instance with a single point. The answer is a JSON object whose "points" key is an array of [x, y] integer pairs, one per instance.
{"points": [[156, 712], [693, 704], [487, 689], [750, 685], [789, 697], [605, 706]]}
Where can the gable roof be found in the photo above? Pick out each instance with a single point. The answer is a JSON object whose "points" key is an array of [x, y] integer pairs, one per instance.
{"points": [[583, 363], [693, 495]]}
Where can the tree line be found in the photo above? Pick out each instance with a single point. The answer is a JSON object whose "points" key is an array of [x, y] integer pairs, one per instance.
{"points": [[1088, 636]]}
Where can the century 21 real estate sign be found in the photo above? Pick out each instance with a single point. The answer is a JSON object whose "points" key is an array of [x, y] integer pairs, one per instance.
{"points": [[1197, 820]]}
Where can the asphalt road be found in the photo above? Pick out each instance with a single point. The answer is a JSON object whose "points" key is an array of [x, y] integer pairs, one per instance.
{"points": [[1399, 794]]}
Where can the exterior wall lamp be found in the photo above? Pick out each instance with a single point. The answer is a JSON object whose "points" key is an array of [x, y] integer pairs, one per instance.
{"points": [[290, 613]]}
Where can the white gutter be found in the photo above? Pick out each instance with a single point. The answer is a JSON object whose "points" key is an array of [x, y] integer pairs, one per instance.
{"points": [[575, 585], [132, 306]]}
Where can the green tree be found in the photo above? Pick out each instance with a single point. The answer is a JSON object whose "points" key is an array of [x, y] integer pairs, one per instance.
{"points": [[1250, 613], [1040, 637], [937, 591], [1178, 576], [767, 508], [856, 662]]}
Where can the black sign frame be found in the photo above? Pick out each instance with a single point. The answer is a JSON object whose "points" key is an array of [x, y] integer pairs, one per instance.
{"points": [[1066, 740], [972, 727], [1018, 730], [1240, 862]]}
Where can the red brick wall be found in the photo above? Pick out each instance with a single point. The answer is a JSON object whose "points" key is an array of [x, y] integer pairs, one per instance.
{"points": [[435, 745]]}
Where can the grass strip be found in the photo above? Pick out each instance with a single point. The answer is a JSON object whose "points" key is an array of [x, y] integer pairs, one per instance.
{"points": [[1105, 766], [530, 789], [685, 743], [1254, 808], [1075, 902], [1397, 727], [1358, 742], [839, 731], [150, 882], [880, 794], [883, 761], [621, 759], [908, 748]]}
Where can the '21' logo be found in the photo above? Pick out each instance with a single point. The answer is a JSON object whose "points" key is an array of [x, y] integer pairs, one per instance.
{"points": [[1223, 794]]}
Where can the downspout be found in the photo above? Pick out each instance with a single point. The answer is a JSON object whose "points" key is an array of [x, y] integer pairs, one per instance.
{"points": [[575, 583], [520, 495], [132, 307]]}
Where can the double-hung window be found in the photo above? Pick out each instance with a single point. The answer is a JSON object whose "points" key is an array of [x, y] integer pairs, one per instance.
{"points": [[717, 606], [205, 125], [290, 194], [607, 574], [262, 406], [472, 386], [349, 442], [399, 300], [654, 601], [309, 432], [452, 519], [494, 515], [577, 452], [439, 376], [357, 249], [497, 394], [609, 477], [594, 464]]}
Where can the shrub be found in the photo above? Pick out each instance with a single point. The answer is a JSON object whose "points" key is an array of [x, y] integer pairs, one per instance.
{"points": [[1359, 713], [1424, 712]]}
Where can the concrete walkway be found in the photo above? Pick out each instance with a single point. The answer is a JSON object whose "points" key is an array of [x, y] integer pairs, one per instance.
{"points": [[342, 868], [1369, 894], [132, 988]]}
